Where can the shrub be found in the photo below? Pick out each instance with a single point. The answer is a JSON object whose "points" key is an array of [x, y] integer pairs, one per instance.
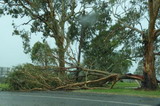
{"points": [[29, 77]]}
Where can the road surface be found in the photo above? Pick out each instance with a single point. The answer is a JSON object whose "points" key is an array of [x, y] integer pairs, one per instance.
{"points": [[61, 98]]}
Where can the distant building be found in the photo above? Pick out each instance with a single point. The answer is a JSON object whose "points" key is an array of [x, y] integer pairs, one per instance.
{"points": [[4, 71]]}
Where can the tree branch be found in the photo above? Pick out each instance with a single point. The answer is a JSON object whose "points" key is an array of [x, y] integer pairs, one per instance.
{"points": [[128, 26], [105, 79], [133, 28], [157, 32], [37, 16], [157, 53], [97, 71], [27, 22]]}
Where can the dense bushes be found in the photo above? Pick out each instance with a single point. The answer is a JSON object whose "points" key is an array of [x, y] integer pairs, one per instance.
{"points": [[30, 77]]}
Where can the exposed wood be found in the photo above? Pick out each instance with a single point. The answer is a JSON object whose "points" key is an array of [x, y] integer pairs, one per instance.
{"points": [[105, 79], [111, 78], [97, 71]]}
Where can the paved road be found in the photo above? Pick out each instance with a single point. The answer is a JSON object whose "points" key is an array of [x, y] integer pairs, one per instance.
{"points": [[72, 99]]}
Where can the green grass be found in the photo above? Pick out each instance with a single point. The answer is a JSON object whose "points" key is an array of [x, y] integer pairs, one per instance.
{"points": [[125, 89], [4, 86], [126, 85]]}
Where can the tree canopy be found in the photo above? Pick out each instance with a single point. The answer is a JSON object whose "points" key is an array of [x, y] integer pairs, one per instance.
{"points": [[42, 54]]}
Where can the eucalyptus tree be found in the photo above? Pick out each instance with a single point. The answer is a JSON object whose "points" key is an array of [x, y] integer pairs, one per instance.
{"points": [[50, 17], [104, 52], [42, 54], [142, 17], [99, 45]]}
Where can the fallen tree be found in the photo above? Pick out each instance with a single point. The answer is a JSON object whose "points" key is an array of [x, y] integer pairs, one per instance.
{"points": [[33, 78], [109, 77]]}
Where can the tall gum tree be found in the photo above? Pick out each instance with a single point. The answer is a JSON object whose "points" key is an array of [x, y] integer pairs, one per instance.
{"points": [[48, 17], [150, 81], [132, 17]]}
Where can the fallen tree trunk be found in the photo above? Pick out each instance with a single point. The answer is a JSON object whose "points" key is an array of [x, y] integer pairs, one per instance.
{"points": [[127, 76], [111, 78], [104, 79]]}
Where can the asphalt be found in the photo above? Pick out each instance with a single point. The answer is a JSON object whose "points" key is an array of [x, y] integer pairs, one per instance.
{"points": [[61, 98]]}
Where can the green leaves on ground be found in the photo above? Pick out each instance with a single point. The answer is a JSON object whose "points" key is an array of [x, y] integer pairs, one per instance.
{"points": [[29, 77]]}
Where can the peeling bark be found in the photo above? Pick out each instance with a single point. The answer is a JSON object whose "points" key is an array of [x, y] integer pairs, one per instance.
{"points": [[150, 81]]}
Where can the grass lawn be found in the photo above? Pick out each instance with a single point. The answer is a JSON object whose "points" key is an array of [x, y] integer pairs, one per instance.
{"points": [[126, 85], [4, 86], [123, 88]]}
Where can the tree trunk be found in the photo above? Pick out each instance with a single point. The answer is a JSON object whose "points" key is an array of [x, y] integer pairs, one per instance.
{"points": [[150, 81], [80, 50], [82, 35], [61, 54]]}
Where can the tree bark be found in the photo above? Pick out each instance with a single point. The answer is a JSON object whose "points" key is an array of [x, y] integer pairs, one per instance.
{"points": [[61, 54], [104, 79], [82, 35], [150, 81]]}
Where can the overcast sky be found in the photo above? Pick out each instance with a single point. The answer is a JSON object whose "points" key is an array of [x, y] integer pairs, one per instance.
{"points": [[11, 47]]}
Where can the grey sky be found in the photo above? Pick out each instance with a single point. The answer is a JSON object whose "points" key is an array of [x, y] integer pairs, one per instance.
{"points": [[11, 47]]}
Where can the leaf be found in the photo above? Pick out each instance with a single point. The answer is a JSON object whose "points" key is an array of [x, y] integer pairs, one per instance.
{"points": [[1, 11]]}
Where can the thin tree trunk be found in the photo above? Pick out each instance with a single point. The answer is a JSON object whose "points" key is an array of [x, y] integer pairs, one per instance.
{"points": [[80, 50], [61, 54], [82, 35], [60, 44]]}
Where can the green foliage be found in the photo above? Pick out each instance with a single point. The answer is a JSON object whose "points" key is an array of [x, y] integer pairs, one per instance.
{"points": [[1, 11], [28, 76], [25, 38], [103, 52], [4, 87], [42, 54], [106, 46]]}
